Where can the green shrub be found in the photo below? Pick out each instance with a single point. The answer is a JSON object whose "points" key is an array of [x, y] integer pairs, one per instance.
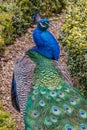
{"points": [[74, 38], [6, 122], [12, 22], [19, 23], [2, 46], [7, 28], [46, 7], [27, 9]]}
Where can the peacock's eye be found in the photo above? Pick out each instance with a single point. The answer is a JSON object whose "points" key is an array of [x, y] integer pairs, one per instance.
{"points": [[43, 23]]}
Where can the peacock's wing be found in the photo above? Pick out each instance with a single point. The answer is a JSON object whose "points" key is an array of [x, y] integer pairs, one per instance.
{"points": [[23, 77], [61, 108]]}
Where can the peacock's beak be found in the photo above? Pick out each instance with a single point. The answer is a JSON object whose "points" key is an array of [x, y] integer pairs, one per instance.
{"points": [[50, 24]]}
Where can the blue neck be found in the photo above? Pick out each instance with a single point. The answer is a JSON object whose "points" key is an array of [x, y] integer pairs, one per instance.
{"points": [[46, 44]]}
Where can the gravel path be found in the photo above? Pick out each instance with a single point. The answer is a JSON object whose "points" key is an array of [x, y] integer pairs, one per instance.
{"points": [[21, 45]]}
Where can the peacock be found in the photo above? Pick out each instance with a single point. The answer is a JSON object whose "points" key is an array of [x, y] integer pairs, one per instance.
{"points": [[41, 93]]}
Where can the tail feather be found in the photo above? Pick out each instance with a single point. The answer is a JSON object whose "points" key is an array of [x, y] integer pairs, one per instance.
{"points": [[53, 104], [14, 99], [61, 108]]}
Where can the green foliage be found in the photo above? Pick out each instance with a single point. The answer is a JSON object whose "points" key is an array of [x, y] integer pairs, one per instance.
{"points": [[19, 23], [27, 9], [6, 23], [2, 45], [7, 28], [6, 123], [11, 24], [74, 38], [47, 6]]}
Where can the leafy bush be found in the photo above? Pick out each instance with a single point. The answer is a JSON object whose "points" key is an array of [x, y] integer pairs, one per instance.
{"points": [[2, 45], [10, 15], [47, 6], [15, 22], [6, 123], [27, 9], [7, 28], [74, 38], [19, 24]]}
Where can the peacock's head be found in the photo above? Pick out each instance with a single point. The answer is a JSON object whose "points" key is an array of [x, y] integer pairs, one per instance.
{"points": [[43, 24]]}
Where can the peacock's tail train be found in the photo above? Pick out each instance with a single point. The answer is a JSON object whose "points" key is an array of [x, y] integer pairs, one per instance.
{"points": [[53, 104]]}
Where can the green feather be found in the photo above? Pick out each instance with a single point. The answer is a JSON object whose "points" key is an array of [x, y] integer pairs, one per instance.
{"points": [[53, 104]]}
